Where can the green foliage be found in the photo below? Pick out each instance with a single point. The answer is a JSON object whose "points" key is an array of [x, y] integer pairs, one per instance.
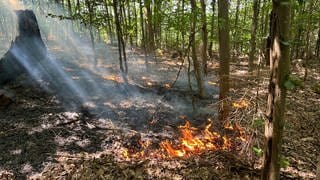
{"points": [[259, 122], [289, 85], [293, 82], [316, 88], [286, 43], [257, 151], [284, 162]]}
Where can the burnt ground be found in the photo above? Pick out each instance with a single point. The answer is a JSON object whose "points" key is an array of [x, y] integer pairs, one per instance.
{"points": [[60, 134]]}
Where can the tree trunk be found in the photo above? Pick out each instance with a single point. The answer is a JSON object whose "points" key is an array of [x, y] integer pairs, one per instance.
{"points": [[143, 32], [196, 63], [135, 23], [91, 15], [150, 34], [109, 19], [235, 34], [318, 45], [204, 37], [116, 14], [213, 4], [264, 31], [279, 66], [70, 13], [129, 23], [224, 53], [256, 7], [26, 52], [318, 169]]}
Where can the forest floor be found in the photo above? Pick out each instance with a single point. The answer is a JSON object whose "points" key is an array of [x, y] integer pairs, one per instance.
{"points": [[48, 136]]}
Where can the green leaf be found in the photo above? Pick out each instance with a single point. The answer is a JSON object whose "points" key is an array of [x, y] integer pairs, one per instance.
{"points": [[258, 123], [257, 151], [289, 85], [286, 43], [284, 162], [293, 82]]}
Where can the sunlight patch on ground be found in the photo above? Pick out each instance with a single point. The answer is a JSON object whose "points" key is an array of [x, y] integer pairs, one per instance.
{"points": [[15, 5]]}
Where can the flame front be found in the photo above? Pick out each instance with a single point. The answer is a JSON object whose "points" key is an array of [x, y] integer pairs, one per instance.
{"points": [[192, 141]]}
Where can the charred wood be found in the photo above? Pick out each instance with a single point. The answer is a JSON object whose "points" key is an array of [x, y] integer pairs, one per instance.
{"points": [[27, 50]]}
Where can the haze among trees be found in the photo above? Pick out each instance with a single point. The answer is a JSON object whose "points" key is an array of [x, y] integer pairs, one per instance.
{"points": [[244, 71]]}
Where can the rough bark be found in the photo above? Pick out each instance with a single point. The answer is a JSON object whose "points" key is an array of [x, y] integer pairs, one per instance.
{"points": [[26, 52], [279, 66], [224, 53]]}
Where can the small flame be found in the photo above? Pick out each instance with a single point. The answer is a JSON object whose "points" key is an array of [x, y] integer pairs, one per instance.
{"points": [[113, 78], [168, 86], [241, 104], [170, 150], [228, 126]]}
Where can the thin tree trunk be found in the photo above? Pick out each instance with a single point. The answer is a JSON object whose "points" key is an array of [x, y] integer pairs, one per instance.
{"points": [[307, 50], [279, 66], [143, 34], [119, 35], [256, 7], [129, 22], [204, 37], [241, 42], [224, 53], [213, 4], [135, 22], [318, 45], [318, 169], [91, 15], [109, 19], [235, 34], [196, 63], [183, 33], [150, 31], [123, 20], [70, 13]]}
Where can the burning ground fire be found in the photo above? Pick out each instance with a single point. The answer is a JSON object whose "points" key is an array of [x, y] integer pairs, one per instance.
{"points": [[114, 78], [192, 141]]}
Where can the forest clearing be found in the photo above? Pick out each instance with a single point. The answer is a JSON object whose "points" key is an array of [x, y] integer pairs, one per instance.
{"points": [[137, 89]]}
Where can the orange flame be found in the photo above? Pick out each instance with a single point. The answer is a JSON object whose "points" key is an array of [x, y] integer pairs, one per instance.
{"points": [[168, 86], [241, 104], [191, 142], [207, 140], [113, 78]]}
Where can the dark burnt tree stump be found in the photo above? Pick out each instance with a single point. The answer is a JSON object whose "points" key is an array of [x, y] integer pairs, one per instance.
{"points": [[26, 51]]}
